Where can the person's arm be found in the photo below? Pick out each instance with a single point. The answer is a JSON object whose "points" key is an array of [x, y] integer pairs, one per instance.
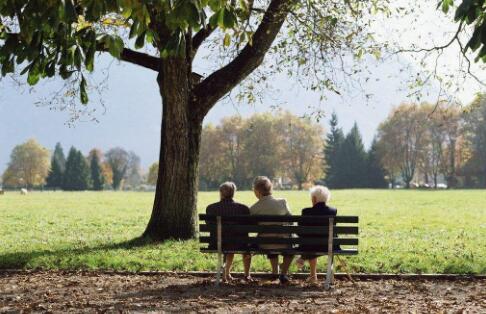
{"points": [[287, 208]]}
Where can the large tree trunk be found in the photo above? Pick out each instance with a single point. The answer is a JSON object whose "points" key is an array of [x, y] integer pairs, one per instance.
{"points": [[174, 212]]}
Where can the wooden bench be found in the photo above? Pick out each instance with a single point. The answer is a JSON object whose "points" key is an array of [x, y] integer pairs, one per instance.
{"points": [[339, 234]]}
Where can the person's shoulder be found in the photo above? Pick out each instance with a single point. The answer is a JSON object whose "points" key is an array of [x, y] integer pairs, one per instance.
{"points": [[281, 201], [242, 206], [332, 210], [212, 207], [307, 211], [255, 207]]}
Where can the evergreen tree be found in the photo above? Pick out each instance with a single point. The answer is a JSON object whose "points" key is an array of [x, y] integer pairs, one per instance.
{"points": [[77, 174], [55, 177], [334, 140], [59, 156], [97, 178], [58, 164], [350, 166], [374, 168]]}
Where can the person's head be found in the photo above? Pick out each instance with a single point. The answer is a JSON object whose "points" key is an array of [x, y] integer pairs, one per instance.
{"points": [[320, 194], [262, 186], [227, 190]]}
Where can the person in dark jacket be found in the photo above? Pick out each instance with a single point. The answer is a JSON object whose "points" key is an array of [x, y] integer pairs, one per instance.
{"points": [[228, 207], [320, 196]]}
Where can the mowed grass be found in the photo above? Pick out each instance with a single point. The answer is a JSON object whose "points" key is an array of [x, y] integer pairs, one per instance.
{"points": [[400, 231]]}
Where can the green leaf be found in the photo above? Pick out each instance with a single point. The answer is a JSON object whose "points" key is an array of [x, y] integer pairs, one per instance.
{"points": [[229, 19], [116, 46], [446, 4], [139, 43], [227, 40], [213, 20], [34, 75], [82, 90], [78, 58], [221, 18], [215, 5], [89, 60], [70, 11], [133, 29]]}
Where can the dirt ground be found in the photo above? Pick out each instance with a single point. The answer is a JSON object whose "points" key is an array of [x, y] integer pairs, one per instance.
{"points": [[97, 292]]}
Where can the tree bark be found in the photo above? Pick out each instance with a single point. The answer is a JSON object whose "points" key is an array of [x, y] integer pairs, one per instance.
{"points": [[174, 211]]}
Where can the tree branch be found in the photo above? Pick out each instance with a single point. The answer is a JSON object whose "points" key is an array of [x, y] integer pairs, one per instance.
{"points": [[208, 92], [139, 58], [200, 37]]}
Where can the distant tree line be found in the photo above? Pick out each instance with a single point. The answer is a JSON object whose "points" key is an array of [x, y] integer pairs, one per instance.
{"points": [[281, 146], [30, 167], [422, 144], [428, 145]]}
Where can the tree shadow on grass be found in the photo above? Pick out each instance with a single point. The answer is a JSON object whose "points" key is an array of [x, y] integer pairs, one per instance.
{"points": [[21, 260]]}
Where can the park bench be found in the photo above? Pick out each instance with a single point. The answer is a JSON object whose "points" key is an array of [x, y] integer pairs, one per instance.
{"points": [[338, 233]]}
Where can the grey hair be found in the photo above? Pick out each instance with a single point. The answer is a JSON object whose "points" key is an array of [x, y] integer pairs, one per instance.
{"points": [[227, 190], [263, 185], [320, 193]]}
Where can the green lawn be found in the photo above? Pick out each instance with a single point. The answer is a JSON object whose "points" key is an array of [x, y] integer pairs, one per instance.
{"points": [[401, 231]]}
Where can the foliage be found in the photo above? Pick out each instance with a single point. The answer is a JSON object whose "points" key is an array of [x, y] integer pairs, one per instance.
{"points": [[153, 173], [107, 173], [77, 174], [471, 13], [28, 165], [397, 230], [475, 127], [62, 37], [334, 139], [134, 173], [97, 178], [403, 134], [303, 145], [375, 174], [58, 165], [118, 159], [351, 161], [282, 145]]}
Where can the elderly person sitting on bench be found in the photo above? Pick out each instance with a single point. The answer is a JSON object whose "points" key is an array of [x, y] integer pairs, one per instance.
{"points": [[268, 205], [320, 196], [228, 207]]}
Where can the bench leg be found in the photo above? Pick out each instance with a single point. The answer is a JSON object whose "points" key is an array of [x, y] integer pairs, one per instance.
{"points": [[330, 272], [220, 268]]}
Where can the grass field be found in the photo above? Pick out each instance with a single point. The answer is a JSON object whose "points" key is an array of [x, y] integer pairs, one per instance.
{"points": [[400, 231]]}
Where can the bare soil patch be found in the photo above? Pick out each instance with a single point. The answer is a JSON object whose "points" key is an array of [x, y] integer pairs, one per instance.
{"points": [[101, 292]]}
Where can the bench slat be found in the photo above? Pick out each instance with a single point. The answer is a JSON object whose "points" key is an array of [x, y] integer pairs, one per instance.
{"points": [[269, 218], [273, 240], [290, 252], [314, 230]]}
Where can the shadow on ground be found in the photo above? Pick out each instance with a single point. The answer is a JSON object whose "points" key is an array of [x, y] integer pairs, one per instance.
{"points": [[21, 260]]}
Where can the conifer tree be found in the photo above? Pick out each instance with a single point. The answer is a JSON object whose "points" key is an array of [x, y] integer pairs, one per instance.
{"points": [[375, 172], [334, 140], [351, 161], [77, 174], [58, 165]]}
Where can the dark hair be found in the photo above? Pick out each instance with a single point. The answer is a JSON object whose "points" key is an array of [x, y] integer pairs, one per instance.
{"points": [[227, 190], [263, 185]]}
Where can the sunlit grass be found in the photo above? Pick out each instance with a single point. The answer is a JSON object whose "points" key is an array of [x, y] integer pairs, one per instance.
{"points": [[400, 231]]}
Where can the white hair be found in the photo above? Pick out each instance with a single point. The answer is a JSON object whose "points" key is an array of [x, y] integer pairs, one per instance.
{"points": [[320, 193]]}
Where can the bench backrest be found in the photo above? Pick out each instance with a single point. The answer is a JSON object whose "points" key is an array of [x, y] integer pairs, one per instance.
{"points": [[302, 233]]}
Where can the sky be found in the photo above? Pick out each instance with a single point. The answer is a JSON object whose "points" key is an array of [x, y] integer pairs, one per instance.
{"points": [[131, 114]]}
